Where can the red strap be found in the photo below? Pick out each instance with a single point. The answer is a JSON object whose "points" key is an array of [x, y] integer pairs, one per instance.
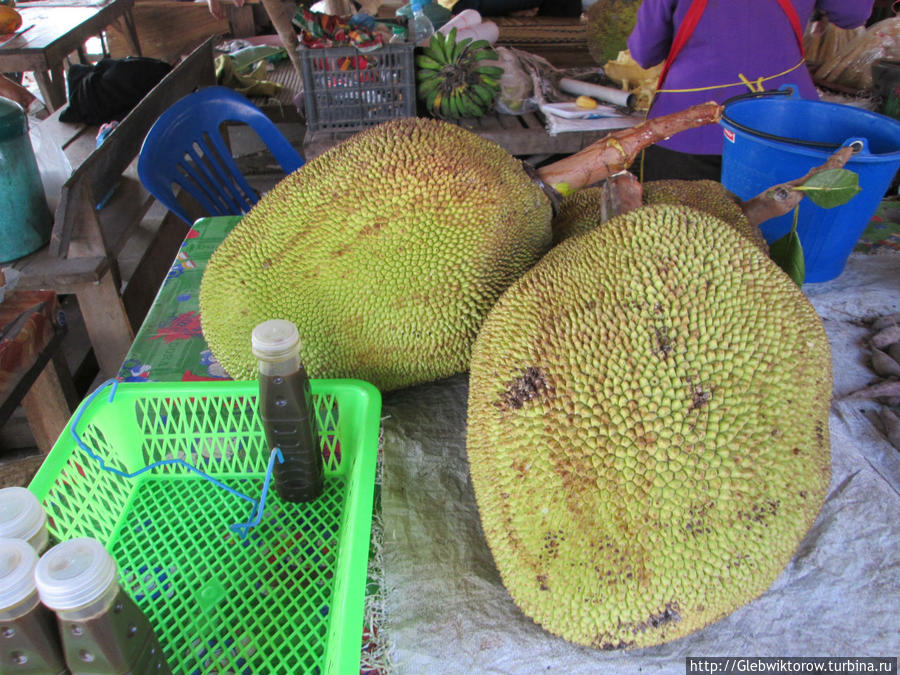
{"points": [[685, 30], [692, 18]]}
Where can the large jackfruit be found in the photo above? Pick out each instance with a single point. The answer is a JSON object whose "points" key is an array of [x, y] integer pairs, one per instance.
{"points": [[387, 251], [647, 428]]}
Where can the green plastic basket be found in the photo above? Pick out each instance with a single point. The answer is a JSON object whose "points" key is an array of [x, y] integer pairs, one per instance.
{"points": [[289, 597]]}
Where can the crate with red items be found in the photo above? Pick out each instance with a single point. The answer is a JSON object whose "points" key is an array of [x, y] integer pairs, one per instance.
{"points": [[345, 89]]}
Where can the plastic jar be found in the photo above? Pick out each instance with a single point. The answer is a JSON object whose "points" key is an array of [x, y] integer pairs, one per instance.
{"points": [[102, 628], [29, 635], [23, 517]]}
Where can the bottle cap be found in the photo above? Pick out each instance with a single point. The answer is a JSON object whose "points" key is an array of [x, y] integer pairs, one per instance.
{"points": [[274, 340], [74, 574], [21, 515], [17, 562]]}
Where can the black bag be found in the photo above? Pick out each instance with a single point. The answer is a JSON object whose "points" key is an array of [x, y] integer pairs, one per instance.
{"points": [[108, 90]]}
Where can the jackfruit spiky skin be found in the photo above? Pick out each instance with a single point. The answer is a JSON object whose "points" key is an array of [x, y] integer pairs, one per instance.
{"points": [[580, 212], [609, 23], [387, 251], [706, 195], [647, 428]]}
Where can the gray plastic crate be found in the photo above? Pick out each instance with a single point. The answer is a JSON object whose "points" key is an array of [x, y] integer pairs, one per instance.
{"points": [[346, 90]]}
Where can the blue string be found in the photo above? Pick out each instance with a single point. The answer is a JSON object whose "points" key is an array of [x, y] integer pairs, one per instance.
{"points": [[243, 528]]}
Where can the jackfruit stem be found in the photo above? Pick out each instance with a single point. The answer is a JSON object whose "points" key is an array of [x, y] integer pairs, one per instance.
{"points": [[780, 199], [617, 151]]}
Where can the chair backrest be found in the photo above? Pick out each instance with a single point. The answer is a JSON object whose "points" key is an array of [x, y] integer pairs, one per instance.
{"points": [[185, 146]]}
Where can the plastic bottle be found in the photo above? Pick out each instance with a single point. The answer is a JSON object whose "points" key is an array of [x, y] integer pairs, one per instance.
{"points": [[102, 628], [23, 517], [420, 27], [287, 412], [29, 634]]}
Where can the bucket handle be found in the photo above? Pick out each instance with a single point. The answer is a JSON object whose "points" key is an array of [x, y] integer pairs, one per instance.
{"points": [[789, 91]]}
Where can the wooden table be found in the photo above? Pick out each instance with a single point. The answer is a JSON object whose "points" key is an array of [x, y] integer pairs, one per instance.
{"points": [[85, 243], [54, 29]]}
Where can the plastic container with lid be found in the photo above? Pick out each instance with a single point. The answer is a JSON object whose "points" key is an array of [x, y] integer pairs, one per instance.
{"points": [[102, 628], [29, 635], [25, 218], [23, 517], [287, 411]]}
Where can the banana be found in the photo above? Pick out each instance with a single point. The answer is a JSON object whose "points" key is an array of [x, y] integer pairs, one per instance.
{"points": [[433, 102], [455, 112], [449, 45], [445, 106], [468, 106], [427, 87], [490, 82], [461, 48], [490, 71], [483, 94], [423, 74], [428, 63]]}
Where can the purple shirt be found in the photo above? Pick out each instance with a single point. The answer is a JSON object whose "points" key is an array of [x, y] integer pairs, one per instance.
{"points": [[749, 37]]}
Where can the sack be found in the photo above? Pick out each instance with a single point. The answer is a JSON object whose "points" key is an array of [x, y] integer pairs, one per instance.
{"points": [[110, 89]]}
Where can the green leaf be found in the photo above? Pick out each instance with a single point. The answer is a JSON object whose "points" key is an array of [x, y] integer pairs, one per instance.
{"points": [[832, 187], [787, 252]]}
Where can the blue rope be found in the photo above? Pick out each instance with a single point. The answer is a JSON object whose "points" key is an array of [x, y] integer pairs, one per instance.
{"points": [[243, 528]]}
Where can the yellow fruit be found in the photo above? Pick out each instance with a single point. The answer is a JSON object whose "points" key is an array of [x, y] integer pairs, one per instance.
{"points": [[387, 251], [647, 428], [10, 20], [586, 102]]}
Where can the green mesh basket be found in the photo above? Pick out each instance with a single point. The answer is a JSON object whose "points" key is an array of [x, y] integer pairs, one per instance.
{"points": [[287, 598]]}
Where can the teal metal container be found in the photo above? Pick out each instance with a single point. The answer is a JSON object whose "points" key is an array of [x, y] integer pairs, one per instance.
{"points": [[25, 218]]}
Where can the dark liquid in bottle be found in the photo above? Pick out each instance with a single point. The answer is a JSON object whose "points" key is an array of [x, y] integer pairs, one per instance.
{"points": [[119, 640], [30, 643], [286, 409]]}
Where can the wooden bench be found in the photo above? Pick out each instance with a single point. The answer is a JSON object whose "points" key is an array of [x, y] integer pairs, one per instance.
{"points": [[82, 256]]}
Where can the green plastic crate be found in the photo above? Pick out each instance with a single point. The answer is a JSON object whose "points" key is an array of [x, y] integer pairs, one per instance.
{"points": [[289, 597]]}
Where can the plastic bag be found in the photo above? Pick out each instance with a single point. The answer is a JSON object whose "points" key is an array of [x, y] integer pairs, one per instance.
{"points": [[52, 162], [515, 86], [851, 67]]}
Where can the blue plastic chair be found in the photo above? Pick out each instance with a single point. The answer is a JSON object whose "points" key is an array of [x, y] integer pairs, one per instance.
{"points": [[186, 147]]}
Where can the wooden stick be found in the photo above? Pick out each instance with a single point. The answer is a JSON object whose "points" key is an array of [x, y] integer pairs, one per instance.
{"points": [[617, 151], [285, 29], [780, 199]]}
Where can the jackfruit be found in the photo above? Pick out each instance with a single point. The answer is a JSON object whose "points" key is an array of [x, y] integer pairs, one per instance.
{"points": [[609, 23], [580, 211], [647, 428], [706, 195], [387, 251]]}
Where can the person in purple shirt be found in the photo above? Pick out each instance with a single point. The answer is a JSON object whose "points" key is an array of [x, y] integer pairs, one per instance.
{"points": [[722, 48]]}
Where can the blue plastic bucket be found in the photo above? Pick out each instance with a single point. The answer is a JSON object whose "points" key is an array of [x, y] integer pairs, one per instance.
{"points": [[808, 132]]}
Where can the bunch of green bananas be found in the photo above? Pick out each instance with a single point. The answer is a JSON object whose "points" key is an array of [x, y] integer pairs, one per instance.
{"points": [[453, 81]]}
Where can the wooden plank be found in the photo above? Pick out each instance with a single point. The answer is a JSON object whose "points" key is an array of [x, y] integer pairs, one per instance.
{"points": [[42, 270], [106, 163], [107, 323]]}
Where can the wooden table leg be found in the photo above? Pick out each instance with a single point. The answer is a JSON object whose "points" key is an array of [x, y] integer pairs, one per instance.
{"points": [[106, 322], [130, 33], [47, 405], [52, 84]]}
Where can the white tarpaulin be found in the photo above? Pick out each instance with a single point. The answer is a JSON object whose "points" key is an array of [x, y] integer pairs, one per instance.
{"points": [[446, 610]]}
